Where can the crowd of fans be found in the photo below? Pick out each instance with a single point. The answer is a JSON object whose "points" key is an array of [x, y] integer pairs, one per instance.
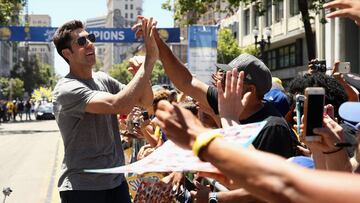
{"points": [[244, 91]]}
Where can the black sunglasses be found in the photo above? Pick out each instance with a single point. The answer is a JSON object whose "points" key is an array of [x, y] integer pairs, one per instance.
{"points": [[82, 41]]}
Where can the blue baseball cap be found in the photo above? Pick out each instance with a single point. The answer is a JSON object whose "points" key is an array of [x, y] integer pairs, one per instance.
{"points": [[279, 99], [350, 111]]}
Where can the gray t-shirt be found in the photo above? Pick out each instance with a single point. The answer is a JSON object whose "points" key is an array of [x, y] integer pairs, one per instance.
{"points": [[91, 141]]}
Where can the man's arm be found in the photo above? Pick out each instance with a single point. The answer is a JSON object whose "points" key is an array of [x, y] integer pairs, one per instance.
{"points": [[135, 64], [266, 176], [271, 178], [180, 75], [133, 93]]}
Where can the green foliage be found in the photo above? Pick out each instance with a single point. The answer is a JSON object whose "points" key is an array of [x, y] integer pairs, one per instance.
{"points": [[98, 65], [9, 11], [42, 94], [11, 88], [34, 74], [120, 72], [158, 72], [194, 9], [227, 48]]}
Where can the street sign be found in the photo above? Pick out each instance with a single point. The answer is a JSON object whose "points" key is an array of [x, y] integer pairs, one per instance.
{"points": [[103, 35]]}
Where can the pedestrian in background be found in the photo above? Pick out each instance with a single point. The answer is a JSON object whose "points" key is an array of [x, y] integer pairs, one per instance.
{"points": [[28, 110]]}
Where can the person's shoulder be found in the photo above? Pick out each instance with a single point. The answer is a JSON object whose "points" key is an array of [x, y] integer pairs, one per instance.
{"points": [[67, 85], [272, 121]]}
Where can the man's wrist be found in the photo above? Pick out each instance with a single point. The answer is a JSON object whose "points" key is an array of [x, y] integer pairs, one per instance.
{"points": [[213, 197], [203, 140]]}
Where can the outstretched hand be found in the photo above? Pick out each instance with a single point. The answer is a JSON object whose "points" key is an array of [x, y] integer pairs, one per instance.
{"points": [[179, 124], [232, 100], [346, 8], [148, 28]]}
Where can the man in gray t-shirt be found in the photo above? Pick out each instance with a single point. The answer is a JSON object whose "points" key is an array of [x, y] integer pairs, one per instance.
{"points": [[85, 106]]}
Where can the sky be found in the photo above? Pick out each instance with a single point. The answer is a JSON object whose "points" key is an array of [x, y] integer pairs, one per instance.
{"points": [[62, 11]]}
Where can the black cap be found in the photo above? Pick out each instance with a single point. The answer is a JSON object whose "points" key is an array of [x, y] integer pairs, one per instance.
{"points": [[256, 72]]}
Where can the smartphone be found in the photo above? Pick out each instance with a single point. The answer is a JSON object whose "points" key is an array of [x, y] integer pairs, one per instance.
{"points": [[313, 111], [299, 110], [344, 67]]}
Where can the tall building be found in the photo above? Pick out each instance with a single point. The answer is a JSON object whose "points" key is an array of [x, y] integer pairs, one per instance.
{"points": [[43, 50], [287, 54], [99, 22], [121, 14]]}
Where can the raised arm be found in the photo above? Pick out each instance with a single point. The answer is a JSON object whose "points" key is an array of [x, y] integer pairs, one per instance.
{"points": [[133, 94], [177, 72]]}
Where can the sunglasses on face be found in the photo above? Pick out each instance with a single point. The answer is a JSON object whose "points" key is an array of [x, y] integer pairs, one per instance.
{"points": [[82, 41]]}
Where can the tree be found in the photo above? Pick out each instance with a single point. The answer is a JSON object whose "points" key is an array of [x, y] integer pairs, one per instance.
{"points": [[34, 74], [9, 11], [42, 94], [98, 65], [194, 9], [158, 73], [120, 72], [11, 88], [227, 47]]}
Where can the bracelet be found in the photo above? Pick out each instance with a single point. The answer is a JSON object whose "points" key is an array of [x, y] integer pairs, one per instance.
{"points": [[332, 152], [202, 141]]}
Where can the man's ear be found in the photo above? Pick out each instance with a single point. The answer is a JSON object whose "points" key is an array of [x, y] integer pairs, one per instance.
{"points": [[66, 53]]}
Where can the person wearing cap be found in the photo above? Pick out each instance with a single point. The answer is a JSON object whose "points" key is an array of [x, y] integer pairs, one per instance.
{"points": [[266, 176], [275, 136]]}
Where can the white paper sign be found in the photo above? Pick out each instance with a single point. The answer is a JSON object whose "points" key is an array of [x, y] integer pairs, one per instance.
{"points": [[170, 157]]}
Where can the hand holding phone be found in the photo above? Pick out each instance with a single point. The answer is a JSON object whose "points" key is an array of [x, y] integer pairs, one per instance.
{"points": [[344, 67], [313, 112], [299, 110]]}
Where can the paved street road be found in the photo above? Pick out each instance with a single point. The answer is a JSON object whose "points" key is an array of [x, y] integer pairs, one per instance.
{"points": [[30, 156]]}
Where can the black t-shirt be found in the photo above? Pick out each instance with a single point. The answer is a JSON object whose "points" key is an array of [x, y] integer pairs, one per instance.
{"points": [[275, 137]]}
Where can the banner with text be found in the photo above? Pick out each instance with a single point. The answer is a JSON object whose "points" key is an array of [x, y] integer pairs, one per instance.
{"points": [[103, 35], [202, 52]]}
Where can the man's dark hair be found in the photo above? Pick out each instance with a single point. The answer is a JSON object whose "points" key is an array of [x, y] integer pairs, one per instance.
{"points": [[62, 36], [334, 93]]}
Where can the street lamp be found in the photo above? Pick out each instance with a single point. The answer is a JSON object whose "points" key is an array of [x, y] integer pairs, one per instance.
{"points": [[262, 43]]}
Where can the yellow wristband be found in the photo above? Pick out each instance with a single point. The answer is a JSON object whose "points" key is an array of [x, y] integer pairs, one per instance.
{"points": [[203, 140]]}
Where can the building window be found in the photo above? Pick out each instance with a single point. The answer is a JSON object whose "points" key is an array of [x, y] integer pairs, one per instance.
{"points": [[131, 15], [126, 15], [139, 12], [256, 17], [279, 12], [283, 57], [294, 7], [246, 22], [126, 6], [131, 6], [268, 19], [271, 60]]}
